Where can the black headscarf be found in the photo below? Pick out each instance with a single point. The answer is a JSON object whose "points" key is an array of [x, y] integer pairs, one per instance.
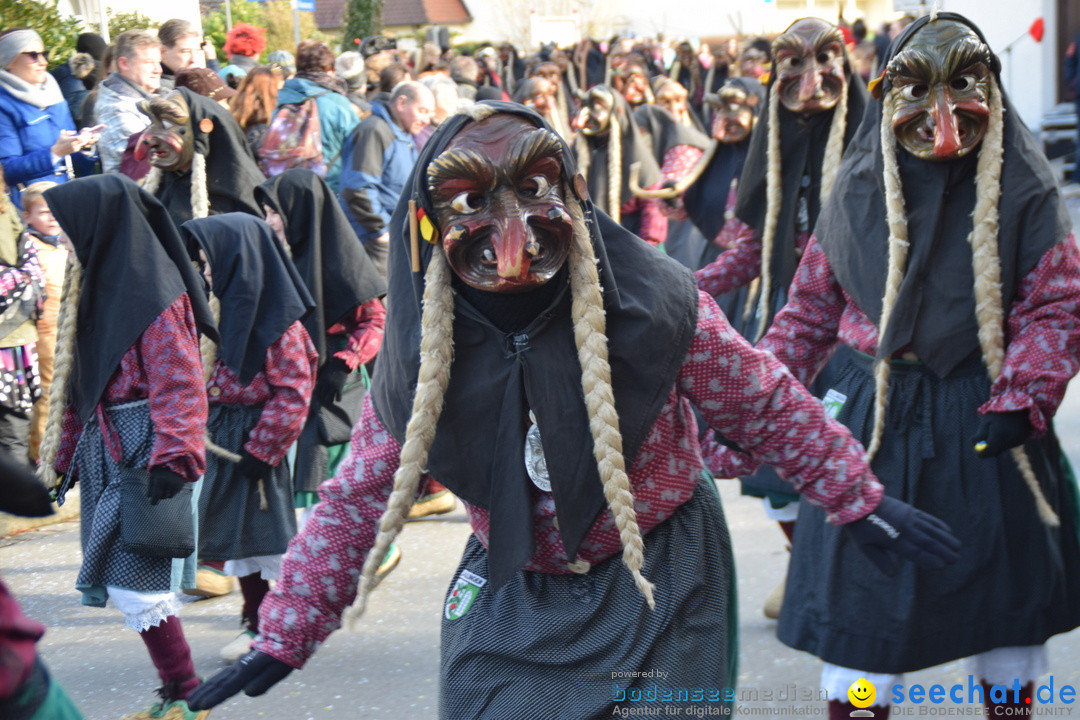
{"points": [[666, 132], [324, 247], [802, 151], [935, 310], [706, 200], [134, 267], [478, 451], [231, 171], [261, 292], [634, 149]]}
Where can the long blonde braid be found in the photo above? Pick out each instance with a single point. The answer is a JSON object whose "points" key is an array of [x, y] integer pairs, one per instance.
{"points": [[896, 219], [614, 164], [773, 200], [63, 361], [590, 336], [208, 350], [986, 264], [834, 146], [436, 356]]}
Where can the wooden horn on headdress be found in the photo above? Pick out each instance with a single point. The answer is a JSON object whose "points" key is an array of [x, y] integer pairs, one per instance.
{"points": [[679, 187]]}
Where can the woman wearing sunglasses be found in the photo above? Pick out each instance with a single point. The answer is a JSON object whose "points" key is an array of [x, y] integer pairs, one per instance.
{"points": [[38, 140]]}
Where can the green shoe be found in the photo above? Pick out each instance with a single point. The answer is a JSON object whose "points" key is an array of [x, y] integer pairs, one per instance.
{"points": [[171, 710], [393, 557]]}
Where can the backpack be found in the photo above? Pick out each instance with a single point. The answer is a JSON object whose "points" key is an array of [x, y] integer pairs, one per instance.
{"points": [[293, 140]]}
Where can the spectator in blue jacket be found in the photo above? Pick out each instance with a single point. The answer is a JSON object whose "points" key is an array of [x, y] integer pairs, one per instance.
{"points": [[379, 157], [37, 133], [315, 78], [78, 76]]}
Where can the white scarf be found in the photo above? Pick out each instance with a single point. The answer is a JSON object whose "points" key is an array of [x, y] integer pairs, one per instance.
{"points": [[40, 96]]}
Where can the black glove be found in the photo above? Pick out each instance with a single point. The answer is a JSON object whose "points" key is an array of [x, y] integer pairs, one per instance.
{"points": [[254, 673], [23, 493], [331, 381], [898, 529], [252, 467], [164, 484], [999, 432]]}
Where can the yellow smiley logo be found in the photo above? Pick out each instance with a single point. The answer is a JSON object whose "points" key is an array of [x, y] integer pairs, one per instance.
{"points": [[862, 692]]}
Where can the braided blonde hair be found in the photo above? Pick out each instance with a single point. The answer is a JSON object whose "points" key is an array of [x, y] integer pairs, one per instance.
{"points": [[896, 219], [436, 357], [986, 264], [614, 167], [63, 361], [772, 208], [834, 149], [200, 198], [590, 336]]}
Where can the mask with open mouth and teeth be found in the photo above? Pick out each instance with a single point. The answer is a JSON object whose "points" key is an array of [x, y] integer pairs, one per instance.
{"points": [[169, 141], [941, 81], [498, 198]]}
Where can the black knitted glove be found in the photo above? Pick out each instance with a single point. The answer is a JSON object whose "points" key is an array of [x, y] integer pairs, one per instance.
{"points": [[897, 530], [999, 432], [254, 673], [331, 381], [23, 493], [164, 484], [252, 467]]}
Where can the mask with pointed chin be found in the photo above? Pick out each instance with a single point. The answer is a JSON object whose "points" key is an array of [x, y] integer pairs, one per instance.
{"points": [[498, 200], [808, 59], [941, 81]]}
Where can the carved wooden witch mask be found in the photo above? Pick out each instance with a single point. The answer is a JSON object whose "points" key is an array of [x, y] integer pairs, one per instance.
{"points": [[498, 202], [169, 142], [941, 84], [808, 60]]}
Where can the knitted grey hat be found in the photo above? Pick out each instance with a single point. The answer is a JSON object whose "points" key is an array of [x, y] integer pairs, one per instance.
{"points": [[14, 42]]}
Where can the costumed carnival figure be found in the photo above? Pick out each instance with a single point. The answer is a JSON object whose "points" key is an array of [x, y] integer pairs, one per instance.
{"points": [[608, 143], [677, 148], [128, 412], [346, 325], [945, 275], [540, 360], [200, 160], [811, 112], [259, 383]]}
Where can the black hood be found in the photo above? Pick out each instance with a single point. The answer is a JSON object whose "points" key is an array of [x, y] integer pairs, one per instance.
{"points": [[651, 306], [802, 153], [706, 199], [231, 171], [635, 149], [134, 267], [260, 292], [324, 248], [935, 310]]}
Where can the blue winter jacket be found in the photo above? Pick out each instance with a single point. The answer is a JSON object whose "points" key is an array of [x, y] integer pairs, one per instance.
{"points": [[379, 158], [27, 134], [336, 120]]}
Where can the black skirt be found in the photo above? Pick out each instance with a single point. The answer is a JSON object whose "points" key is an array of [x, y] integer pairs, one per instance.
{"points": [[232, 525], [1017, 581], [578, 646]]}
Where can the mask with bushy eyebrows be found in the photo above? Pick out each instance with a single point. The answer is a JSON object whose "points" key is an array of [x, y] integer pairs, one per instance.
{"points": [[941, 82], [169, 142], [498, 200], [594, 118], [734, 113], [808, 60]]}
